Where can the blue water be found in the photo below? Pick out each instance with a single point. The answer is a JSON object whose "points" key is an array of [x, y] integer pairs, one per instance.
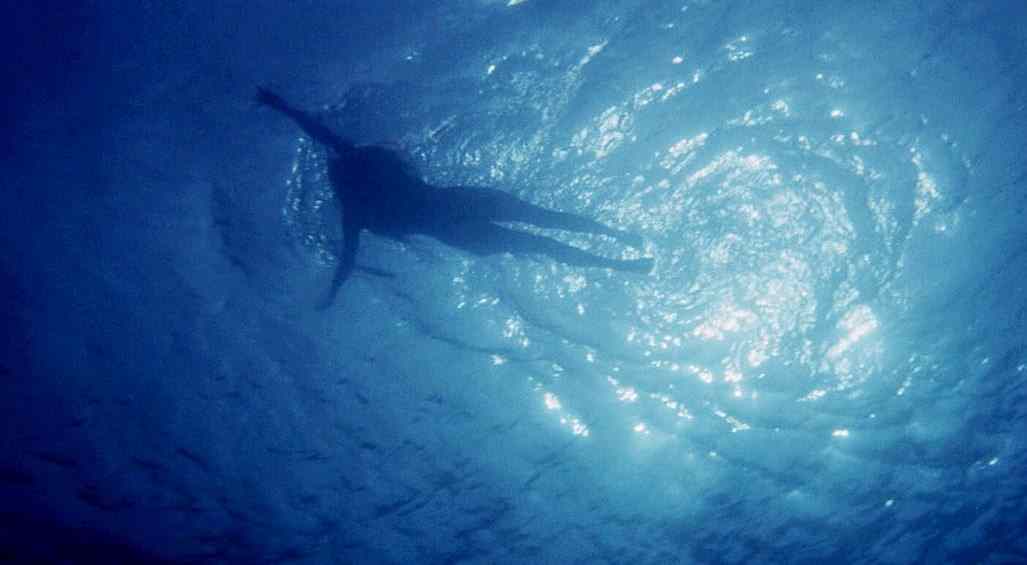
{"points": [[827, 364]]}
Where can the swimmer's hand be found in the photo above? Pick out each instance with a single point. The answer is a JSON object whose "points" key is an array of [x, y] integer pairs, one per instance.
{"points": [[268, 98]]}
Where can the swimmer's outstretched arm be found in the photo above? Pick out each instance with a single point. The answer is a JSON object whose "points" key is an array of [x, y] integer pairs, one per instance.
{"points": [[310, 125], [347, 261]]}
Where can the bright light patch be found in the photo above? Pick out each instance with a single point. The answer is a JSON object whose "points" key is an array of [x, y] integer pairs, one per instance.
{"points": [[736, 424], [814, 394], [840, 433], [756, 163], [612, 125], [857, 324], [627, 394], [592, 52], [552, 402], [758, 355], [512, 327], [685, 147], [704, 375], [727, 319], [926, 188], [648, 95], [575, 282], [732, 375], [737, 49]]}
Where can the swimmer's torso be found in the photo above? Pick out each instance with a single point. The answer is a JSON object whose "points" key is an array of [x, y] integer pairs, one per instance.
{"points": [[381, 192]]}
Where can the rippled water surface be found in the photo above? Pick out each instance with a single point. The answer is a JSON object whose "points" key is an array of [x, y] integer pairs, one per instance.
{"points": [[826, 364]]}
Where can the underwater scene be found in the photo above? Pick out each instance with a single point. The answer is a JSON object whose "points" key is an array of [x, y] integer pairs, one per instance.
{"points": [[522, 281]]}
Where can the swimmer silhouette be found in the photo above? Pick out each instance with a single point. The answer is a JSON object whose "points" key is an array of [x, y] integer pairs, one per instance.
{"points": [[379, 192]]}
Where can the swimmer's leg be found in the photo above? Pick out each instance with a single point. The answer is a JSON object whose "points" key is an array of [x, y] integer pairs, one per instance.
{"points": [[499, 206], [484, 238]]}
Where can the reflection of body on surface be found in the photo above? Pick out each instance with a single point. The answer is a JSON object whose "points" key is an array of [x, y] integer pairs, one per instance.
{"points": [[379, 192]]}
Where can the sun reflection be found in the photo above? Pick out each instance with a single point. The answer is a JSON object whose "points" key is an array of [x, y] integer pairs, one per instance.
{"points": [[627, 394], [613, 126], [552, 402], [738, 50], [575, 282], [759, 355], [776, 241], [592, 52], [672, 91], [736, 424], [782, 107], [577, 427], [732, 375], [926, 188], [833, 81], [815, 394], [727, 319], [512, 327], [682, 153], [858, 323], [736, 166], [674, 406], [648, 95], [704, 375]]}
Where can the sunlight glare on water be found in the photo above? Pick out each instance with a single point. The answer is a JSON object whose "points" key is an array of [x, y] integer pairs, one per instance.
{"points": [[775, 207]]}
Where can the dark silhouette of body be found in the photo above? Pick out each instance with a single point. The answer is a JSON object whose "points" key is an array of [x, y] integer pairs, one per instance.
{"points": [[378, 191]]}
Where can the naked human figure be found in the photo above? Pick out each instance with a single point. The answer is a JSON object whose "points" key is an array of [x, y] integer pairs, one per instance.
{"points": [[378, 191]]}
